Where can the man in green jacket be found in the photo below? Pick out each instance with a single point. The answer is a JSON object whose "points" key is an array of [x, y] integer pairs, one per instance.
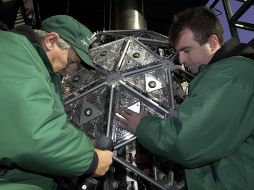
{"points": [[37, 141], [212, 135]]}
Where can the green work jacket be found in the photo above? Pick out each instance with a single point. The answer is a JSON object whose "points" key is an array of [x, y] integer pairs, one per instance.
{"points": [[37, 142], [212, 134]]}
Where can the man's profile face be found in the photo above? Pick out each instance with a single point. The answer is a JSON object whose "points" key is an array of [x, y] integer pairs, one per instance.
{"points": [[61, 58], [73, 62], [191, 53], [66, 60]]}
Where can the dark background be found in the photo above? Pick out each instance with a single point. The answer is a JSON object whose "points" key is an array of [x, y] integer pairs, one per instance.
{"points": [[100, 15]]}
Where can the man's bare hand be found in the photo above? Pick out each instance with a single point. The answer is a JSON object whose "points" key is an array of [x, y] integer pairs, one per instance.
{"points": [[104, 161], [129, 118]]}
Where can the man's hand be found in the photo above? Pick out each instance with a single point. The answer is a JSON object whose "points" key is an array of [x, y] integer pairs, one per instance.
{"points": [[104, 161], [129, 118]]}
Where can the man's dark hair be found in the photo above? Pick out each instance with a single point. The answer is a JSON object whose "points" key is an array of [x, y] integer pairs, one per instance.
{"points": [[201, 21]]}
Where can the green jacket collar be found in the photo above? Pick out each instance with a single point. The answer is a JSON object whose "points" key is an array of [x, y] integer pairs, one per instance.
{"points": [[55, 78]]}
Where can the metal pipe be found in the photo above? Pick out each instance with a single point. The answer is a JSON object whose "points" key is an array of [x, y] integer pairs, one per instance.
{"points": [[123, 54], [127, 14], [152, 41], [245, 6], [111, 98], [245, 25], [141, 174], [168, 70], [228, 11], [84, 93], [125, 143], [143, 70], [214, 4]]}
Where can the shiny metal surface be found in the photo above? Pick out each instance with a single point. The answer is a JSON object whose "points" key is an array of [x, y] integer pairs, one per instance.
{"points": [[127, 14], [132, 73]]}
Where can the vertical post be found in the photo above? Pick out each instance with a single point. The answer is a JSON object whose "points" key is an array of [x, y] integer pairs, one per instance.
{"points": [[232, 27]]}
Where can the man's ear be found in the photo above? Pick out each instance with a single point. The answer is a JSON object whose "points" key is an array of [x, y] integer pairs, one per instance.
{"points": [[50, 40], [213, 42]]}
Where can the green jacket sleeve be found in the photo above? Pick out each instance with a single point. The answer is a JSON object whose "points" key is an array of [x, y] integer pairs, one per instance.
{"points": [[219, 108], [35, 134]]}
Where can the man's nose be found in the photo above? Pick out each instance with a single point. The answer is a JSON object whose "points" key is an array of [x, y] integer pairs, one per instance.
{"points": [[182, 58]]}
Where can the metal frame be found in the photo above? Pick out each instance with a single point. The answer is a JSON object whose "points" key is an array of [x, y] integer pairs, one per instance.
{"points": [[118, 78], [233, 19]]}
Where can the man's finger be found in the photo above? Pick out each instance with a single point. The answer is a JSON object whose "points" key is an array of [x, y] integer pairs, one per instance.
{"points": [[120, 118], [124, 113], [127, 111]]}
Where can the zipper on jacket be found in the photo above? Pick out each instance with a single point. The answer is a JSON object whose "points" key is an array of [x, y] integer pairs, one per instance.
{"points": [[214, 173], [3, 171]]}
